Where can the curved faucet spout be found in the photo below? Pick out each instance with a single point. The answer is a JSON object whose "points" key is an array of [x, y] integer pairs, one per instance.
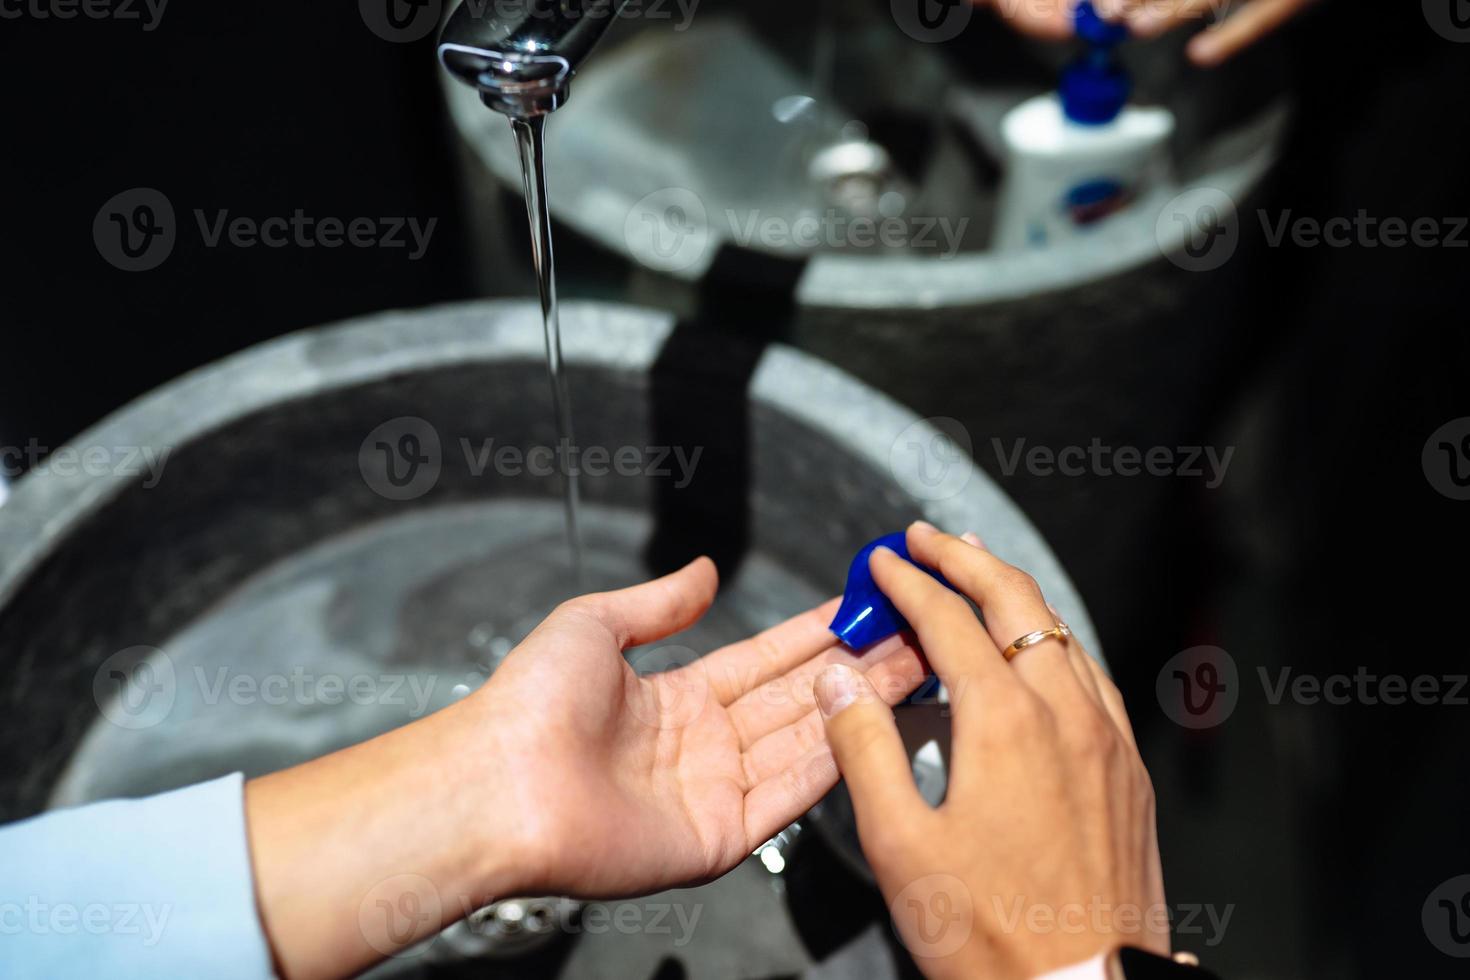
{"points": [[521, 54]]}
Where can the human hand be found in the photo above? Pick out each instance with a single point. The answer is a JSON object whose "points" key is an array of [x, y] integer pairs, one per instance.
{"points": [[632, 784], [1250, 20], [566, 773], [1047, 20], [1234, 26], [1044, 852]]}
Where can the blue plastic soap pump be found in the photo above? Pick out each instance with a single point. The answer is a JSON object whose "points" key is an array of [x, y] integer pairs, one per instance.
{"points": [[866, 616], [1095, 87], [1080, 154]]}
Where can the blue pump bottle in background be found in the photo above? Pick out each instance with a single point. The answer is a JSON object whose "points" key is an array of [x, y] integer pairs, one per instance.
{"points": [[1082, 153]]}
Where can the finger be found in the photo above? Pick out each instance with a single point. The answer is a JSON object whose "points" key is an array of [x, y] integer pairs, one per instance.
{"points": [[894, 679], [739, 667], [869, 752], [1112, 701], [1240, 30], [1111, 9], [1048, 20], [1011, 604], [953, 641], [784, 699], [1154, 17], [653, 610], [773, 803], [1080, 660]]}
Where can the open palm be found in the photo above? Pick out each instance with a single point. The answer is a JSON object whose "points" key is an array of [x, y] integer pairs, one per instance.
{"points": [[631, 783]]}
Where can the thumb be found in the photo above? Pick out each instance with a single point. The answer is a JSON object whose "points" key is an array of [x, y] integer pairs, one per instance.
{"points": [[653, 610], [868, 749]]}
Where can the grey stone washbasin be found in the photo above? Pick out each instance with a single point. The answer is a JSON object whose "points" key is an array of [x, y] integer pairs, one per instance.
{"points": [[331, 549]]}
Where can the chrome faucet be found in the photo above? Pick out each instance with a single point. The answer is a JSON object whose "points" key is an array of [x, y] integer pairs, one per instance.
{"points": [[521, 54]]}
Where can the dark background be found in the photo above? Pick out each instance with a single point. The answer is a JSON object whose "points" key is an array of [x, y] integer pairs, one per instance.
{"points": [[1326, 826]]}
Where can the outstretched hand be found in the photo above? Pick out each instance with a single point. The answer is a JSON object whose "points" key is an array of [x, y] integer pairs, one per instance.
{"points": [[636, 783], [569, 772]]}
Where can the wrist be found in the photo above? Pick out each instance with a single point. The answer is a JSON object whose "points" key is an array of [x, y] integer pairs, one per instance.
{"points": [[367, 851], [493, 804]]}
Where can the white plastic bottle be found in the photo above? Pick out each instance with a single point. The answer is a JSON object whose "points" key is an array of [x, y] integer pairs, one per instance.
{"points": [[1082, 153]]}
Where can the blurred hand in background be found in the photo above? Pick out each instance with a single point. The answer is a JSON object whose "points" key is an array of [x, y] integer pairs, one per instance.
{"points": [[1232, 25]]}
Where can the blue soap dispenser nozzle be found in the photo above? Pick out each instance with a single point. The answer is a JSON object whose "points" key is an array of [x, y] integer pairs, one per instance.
{"points": [[865, 615], [1095, 87]]}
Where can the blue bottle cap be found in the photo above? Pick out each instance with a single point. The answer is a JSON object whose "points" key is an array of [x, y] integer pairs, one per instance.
{"points": [[866, 616], [1095, 88], [1091, 27]]}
